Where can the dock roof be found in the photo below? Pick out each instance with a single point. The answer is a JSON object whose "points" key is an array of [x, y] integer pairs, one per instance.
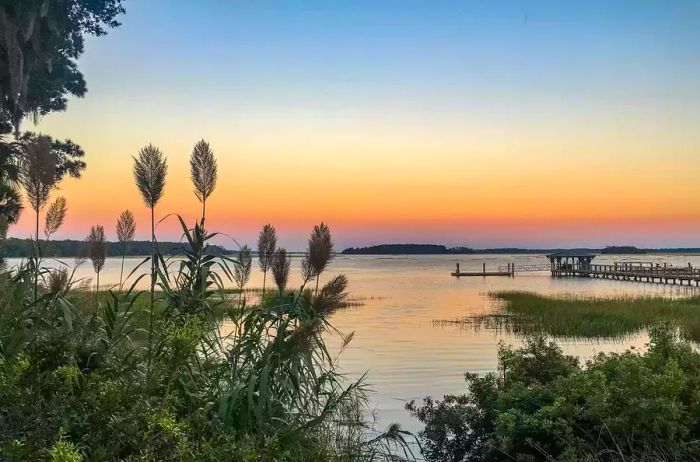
{"points": [[570, 253]]}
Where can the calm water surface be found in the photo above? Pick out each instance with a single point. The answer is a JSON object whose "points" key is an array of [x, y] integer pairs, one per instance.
{"points": [[406, 355]]}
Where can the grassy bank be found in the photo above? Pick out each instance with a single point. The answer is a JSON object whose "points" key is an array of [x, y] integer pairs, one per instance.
{"points": [[597, 317]]}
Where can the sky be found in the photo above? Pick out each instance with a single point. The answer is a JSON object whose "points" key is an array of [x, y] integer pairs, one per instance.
{"points": [[484, 124]]}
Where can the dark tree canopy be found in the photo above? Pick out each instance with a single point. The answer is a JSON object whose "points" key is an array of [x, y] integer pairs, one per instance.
{"points": [[40, 41], [10, 200], [69, 156]]}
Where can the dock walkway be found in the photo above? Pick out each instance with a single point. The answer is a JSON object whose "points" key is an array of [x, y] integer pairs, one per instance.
{"points": [[502, 271], [645, 272], [580, 265]]}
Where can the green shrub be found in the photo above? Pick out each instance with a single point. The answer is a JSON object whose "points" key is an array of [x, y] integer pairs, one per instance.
{"points": [[121, 382], [542, 405]]}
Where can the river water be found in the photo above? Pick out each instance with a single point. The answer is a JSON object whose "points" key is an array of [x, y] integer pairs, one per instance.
{"points": [[405, 353]]}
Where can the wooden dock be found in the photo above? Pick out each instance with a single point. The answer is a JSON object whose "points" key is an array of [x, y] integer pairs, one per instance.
{"points": [[579, 264], [502, 271], [641, 272]]}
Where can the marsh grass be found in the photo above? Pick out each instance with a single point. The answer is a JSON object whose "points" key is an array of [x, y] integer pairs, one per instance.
{"points": [[587, 317]]}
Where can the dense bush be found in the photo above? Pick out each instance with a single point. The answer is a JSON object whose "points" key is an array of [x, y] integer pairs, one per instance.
{"points": [[542, 405], [117, 380]]}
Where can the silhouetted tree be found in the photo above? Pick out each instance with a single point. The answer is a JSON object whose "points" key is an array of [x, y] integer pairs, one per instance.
{"points": [[40, 44]]}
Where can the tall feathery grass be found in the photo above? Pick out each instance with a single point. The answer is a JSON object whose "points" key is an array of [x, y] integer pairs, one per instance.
{"points": [[97, 252], [150, 169], [38, 177], [203, 172], [318, 254], [126, 230], [280, 266], [55, 216], [242, 267], [267, 243]]}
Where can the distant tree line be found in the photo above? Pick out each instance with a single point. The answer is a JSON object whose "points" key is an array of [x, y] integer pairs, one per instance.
{"points": [[622, 249], [20, 248], [434, 249], [431, 249]]}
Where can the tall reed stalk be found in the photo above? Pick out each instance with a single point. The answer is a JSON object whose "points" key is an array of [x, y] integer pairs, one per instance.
{"points": [[280, 269], [267, 243], [150, 170], [203, 172], [126, 229], [55, 216], [318, 254], [244, 263], [97, 252], [38, 177]]}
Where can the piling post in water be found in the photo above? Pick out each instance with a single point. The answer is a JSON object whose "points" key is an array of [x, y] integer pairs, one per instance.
{"points": [[457, 272], [484, 268]]}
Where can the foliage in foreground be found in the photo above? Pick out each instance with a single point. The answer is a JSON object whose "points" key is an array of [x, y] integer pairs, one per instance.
{"points": [[598, 317], [542, 405], [82, 380]]}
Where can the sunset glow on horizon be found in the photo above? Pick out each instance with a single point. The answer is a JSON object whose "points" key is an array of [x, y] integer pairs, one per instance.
{"points": [[509, 124]]}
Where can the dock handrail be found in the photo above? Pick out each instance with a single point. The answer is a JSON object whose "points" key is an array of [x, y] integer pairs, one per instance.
{"points": [[526, 268]]}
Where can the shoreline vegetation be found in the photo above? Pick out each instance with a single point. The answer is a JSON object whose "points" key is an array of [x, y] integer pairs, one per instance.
{"points": [[572, 316], [543, 405], [130, 374]]}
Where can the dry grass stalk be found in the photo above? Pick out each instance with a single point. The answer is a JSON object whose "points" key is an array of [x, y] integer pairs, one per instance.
{"points": [[38, 171], [55, 216], [126, 230], [280, 268], [244, 263], [318, 254], [267, 242], [150, 169], [203, 171], [58, 281], [97, 250], [97, 247]]}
